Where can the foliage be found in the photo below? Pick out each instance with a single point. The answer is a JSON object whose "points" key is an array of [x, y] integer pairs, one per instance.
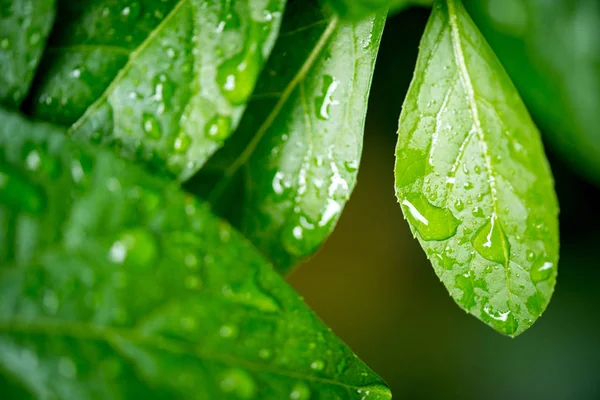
{"points": [[185, 153]]}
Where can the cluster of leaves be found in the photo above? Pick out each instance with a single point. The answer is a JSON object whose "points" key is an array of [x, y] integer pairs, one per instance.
{"points": [[116, 282]]}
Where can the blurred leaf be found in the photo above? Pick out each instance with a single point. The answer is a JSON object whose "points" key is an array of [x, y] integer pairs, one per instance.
{"points": [[117, 285], [358, 9], [163, 82], [24, 28], [293, 162], [551, 50], [472, 178]]}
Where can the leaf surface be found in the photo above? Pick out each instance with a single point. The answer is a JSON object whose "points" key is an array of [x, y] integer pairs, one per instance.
{"points": [[24, 28], [472, 178], [118, 285], [551, 50], [163, 82], [293, 162]]}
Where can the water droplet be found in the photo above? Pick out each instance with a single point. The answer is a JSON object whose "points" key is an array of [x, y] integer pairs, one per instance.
{"points": [[317, 365], [432, 223], [300, 391], [236, 77], [35, 38], [191, 261], [238, 382], [351, 166], [5, 43], [264, 354], [325, 101], [459, 205], [136, 247], [491, 242], [18, 193], [151, 126], [182, 143], [541, 271], [374, 392], [251, 295], [66, 367], [188, 323], [170, 52], [218, 128], [228, 331], [192, 282]]}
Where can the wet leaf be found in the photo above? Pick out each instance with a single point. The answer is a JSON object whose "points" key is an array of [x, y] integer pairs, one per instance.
{"points": [[163, 82], [292, 164], [119, 285], [24, 28], [472, 178], [551, 50]]}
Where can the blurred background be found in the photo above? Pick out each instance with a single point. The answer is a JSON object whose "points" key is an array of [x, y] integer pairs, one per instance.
{"points": [[372, 284]]}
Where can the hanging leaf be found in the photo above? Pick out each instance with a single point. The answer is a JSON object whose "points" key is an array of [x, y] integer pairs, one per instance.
{"points": [[472, 178], [118, 285], [292, 164], [24, 28], [163, 82]]}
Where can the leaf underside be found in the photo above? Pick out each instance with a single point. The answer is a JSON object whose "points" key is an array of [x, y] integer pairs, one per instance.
{"points": [[286, 174], [472, 178], [115, 284], [160, 82]]}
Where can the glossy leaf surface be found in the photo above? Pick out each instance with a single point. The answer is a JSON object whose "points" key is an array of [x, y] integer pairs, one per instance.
{"points": [[24, 28], [115, 284], [163, 82], [472, 178], [292, 164], [551, 49]]}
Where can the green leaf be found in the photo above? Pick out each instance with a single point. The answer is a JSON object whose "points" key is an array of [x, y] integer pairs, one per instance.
{"points": [[358, 9], [551, 51], [24, 28], [117, 285], [292, 164], [472, 178], [163, 82]]}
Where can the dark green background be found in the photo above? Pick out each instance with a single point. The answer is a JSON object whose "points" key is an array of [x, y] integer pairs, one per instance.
{"points": [[373, 285]]}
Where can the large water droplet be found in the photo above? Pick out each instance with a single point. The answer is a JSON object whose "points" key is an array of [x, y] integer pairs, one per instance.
{"points": [[236, 77], [432, 223], [541, 270], [317, 365], [491, 242], [238, 382]]}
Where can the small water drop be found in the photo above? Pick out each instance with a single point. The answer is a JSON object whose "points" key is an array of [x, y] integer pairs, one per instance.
{"points": [[182, 143], [228, 331], [35, 38], [151, 126], [264, 353], [300, 391], [459, 205], [374, 392], [491, 242], [218, 128], [192, 282], [188, 323], [5, 43], [238, 382], [50, 302], [317, 365], [66, 367], [324, 102], [191, 261]]}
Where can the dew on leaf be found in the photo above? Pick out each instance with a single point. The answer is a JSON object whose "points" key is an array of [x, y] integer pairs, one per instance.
{"points": [[300, 391], [238, 382], [66, 367], [374, 392], [541, 271], [218, 128], [236, 76], [317, 365], [151, 126], [491, 242], [432, 223]]}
